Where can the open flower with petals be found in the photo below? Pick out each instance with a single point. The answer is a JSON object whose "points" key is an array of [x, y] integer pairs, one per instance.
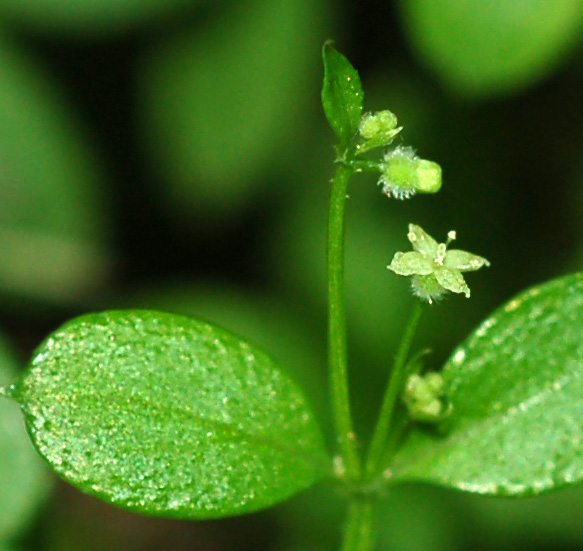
{"points": [[434, 269]]}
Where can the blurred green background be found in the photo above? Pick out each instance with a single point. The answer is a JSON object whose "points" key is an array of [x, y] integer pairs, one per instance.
{"points": [[172, 154]]}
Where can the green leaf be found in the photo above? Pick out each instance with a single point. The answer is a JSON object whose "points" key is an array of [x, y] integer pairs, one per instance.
{"points": [[342, 95], [262, 318], [24, 481], [486, 49], [169, 416], [515, 386]]}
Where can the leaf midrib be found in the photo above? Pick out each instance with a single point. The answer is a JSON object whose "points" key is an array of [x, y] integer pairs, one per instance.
{"points": [[226, 429]]}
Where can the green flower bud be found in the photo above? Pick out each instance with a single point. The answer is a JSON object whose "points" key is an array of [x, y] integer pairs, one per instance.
{"points": [[428, 176], [424, 397], [377, 130], [404, 174], [373, 125], [435, 383], [399, 173]]}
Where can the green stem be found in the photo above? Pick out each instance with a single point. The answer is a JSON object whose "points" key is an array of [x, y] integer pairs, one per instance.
{"points": [[360, 165], [337, 355], [382, 430], [360, 526]]}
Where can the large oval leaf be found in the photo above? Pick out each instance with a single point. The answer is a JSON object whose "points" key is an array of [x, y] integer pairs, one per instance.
{"points": [[516, 387], [169, 416], [264, 319], [484, 49], [23, 480]]}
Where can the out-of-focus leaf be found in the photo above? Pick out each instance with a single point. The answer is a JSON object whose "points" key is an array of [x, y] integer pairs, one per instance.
{"points": [[224, 104], [88, 17], [342, 95], [417, 518], [552, 520], [486, 49], [51, 219], [515, 386], [411, 518], [24, 481], [169, 416], [311, 521]]}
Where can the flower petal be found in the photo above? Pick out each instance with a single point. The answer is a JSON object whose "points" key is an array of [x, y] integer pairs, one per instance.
{"points": [[422, 242], [452, 280], [464, 261], [411, 263]]}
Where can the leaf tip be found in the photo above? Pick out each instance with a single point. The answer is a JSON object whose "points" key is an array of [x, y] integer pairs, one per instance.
{"points": [[328, 43]]}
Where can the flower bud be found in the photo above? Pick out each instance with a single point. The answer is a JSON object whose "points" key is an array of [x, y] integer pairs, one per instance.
{"points": [[428, 176], [399, 173], [377, 124], [403, 174], [425, 398], [377, 130]]}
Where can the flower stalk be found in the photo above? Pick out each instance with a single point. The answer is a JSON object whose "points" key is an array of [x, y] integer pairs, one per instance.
{"points": [[397, 378]]}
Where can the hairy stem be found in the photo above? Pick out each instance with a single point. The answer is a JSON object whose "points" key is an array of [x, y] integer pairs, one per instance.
{"points": [[337, 355], [397, 378]]}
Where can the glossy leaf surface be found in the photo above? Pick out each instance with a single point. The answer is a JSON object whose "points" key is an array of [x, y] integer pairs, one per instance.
{"points": [[484, 49], [24, 481], [342, 95], [169, 416], [515, 386], [259, 317]]}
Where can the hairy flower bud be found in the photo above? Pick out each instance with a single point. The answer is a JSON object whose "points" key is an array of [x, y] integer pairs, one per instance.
{"points": [[398, 177], [404, 174]]}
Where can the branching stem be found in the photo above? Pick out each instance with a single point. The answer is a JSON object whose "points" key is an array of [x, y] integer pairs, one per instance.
{"points": [[361, 517]]}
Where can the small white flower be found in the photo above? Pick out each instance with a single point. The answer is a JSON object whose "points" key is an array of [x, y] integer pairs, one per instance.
{"points": [[433, 268]]}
